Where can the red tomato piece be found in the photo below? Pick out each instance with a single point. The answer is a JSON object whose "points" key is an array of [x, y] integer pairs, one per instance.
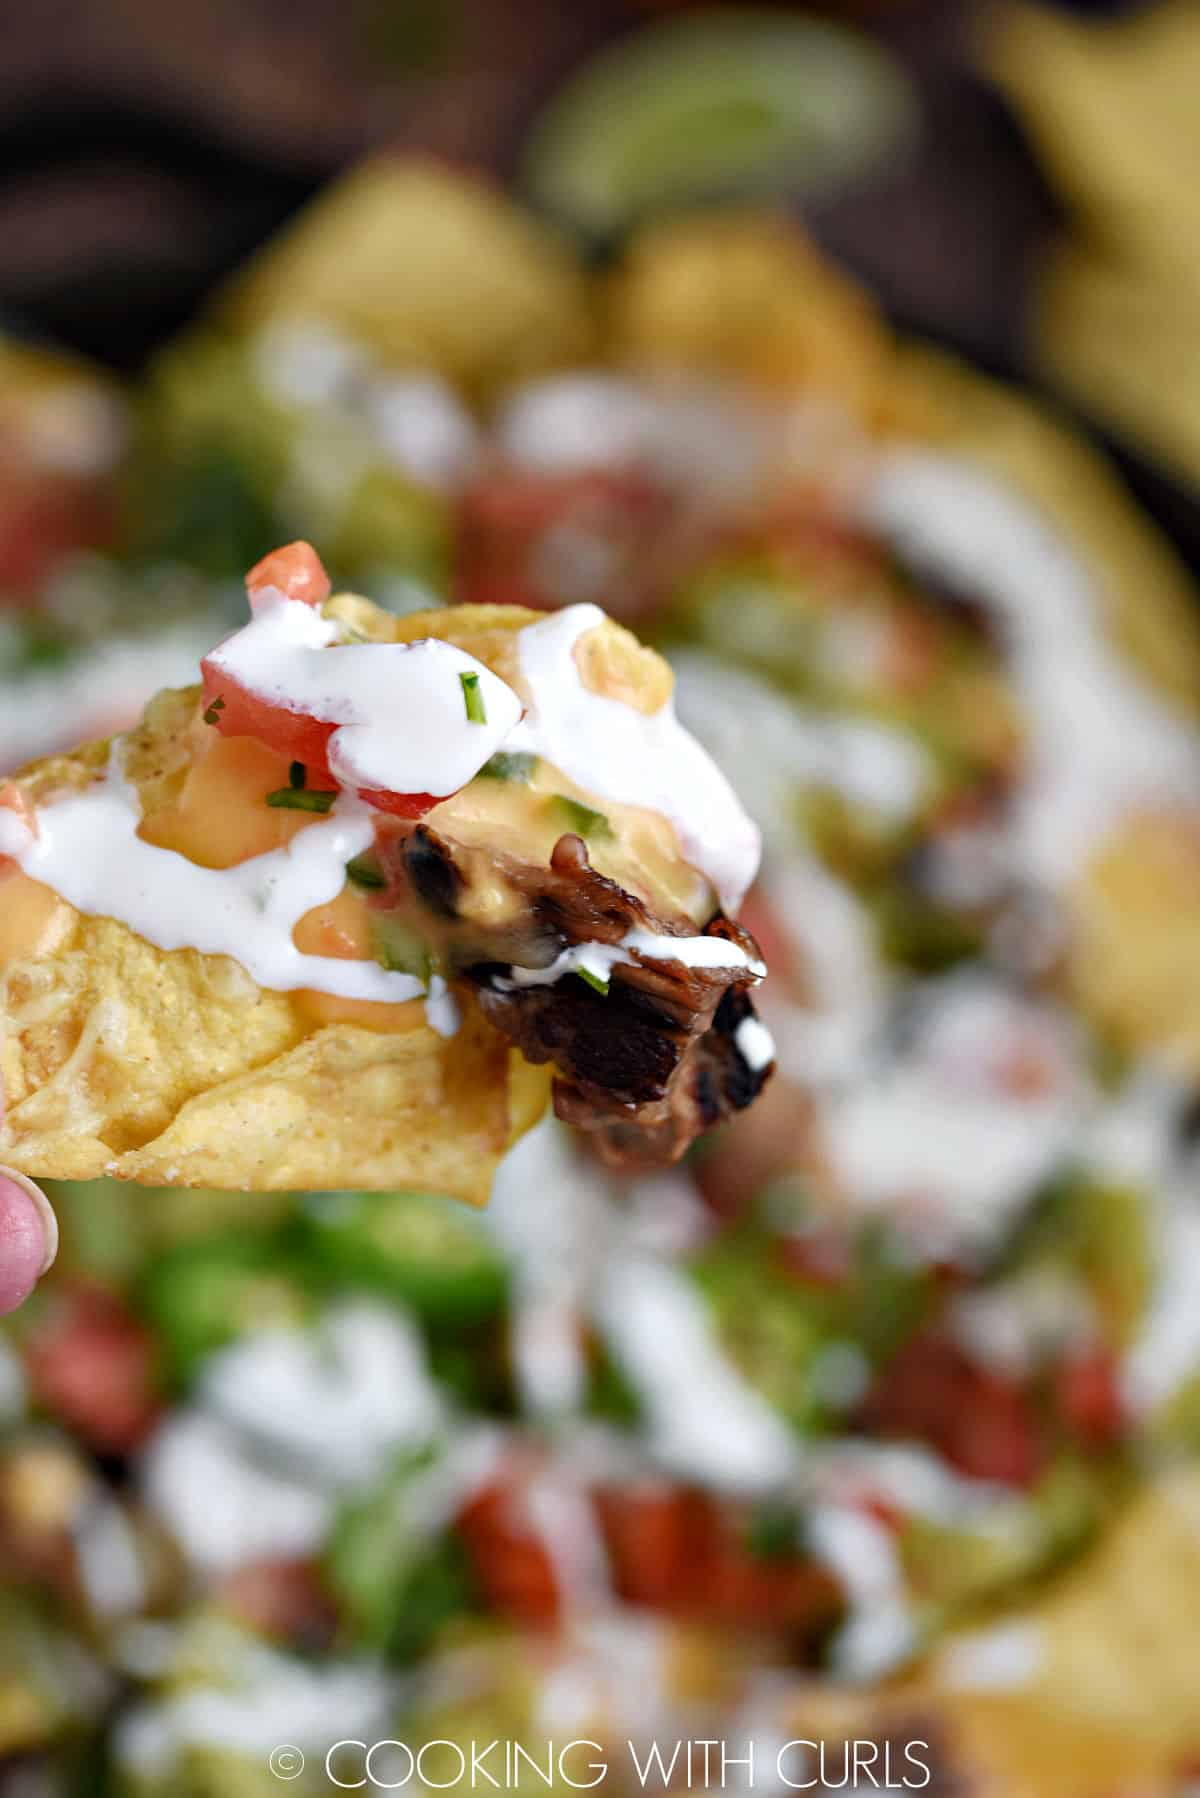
{"points": [[236, 712], [296, 571], [656, 1541], [510, 1562], [984, 1424], [1089, 1398], [400, 805], [91, 1364]]}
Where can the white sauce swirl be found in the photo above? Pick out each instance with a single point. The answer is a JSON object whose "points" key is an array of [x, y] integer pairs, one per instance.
{"points": [[599, 959], [88, 850], [402, 726], [1103, 741], [630, 757], [399, 707]]}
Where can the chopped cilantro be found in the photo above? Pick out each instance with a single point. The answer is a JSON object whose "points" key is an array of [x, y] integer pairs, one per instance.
{"points": [[301, 799], [598, 982], [581, 818], [217, 706], [365, 871], [473, 699], [297, 775], [509, 764]]}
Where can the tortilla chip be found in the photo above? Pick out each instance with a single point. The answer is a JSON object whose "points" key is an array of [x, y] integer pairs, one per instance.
{"points": [[1091, 1690], [431, 268], [175, 1068], [746, 294], [1135, 948]]}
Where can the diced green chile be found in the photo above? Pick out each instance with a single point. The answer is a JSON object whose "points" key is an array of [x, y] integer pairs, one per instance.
{"points": [[417, 1247], [581, 818], [509, 764]]}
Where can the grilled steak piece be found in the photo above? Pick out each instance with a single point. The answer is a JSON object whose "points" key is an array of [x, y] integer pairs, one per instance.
{"points": [[643, 1068]]}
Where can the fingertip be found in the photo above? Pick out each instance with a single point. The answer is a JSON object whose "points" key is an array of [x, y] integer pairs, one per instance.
{"points": [[28, 1238]]}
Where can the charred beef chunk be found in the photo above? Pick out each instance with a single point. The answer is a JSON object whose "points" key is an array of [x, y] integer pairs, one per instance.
{"points": [[643, 1068]]}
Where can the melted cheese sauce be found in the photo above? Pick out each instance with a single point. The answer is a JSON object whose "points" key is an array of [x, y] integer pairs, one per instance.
{"points": [[218, 871]]}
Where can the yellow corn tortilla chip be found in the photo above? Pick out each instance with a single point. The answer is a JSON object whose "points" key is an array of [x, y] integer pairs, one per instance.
{"points": [[746, 294], [431, 267], [1135, 950], [175, 1068], [1090, 1690]]}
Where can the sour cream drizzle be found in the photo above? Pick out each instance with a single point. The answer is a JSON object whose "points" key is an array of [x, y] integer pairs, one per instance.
{"points": [[1103, 742], [399, 707], [88, 850], [403, 725], [599, 959], [630, 757]]}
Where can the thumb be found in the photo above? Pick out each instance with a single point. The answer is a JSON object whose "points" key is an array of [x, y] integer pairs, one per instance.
{"points": [[28, 1237]]}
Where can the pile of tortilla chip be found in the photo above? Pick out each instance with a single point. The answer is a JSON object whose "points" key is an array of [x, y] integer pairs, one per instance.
{"points": [[172, 1069]]}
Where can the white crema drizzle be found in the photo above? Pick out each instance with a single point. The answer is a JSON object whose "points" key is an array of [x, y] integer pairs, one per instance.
{"points": [[87, 848], [402, 725], [400, 708], [631, 757], [1103, 741]]}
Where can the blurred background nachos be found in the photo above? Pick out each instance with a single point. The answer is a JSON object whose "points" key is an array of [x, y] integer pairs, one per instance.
{"points": [[878, 1418]]}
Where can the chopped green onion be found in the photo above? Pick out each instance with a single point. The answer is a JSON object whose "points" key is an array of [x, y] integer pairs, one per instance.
{"points": [[217, 706], [581, 818], [301, 799], [365, 871], [473, 699], [509, 764], [297, 775], [598, 982]]}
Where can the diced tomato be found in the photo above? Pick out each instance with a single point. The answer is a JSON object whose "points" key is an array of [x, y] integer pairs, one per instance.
{"points": [[791, 1594], [678, 1550], [235, 711], [296, 571], [1088, 1397], [509, 516], [656, 1539], [91, 1364], [400, 805], [510, 1562], [42, 522], [984, 1424]]}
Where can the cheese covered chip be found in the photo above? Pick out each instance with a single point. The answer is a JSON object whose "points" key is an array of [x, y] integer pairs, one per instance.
{"points": [[324, 920]]}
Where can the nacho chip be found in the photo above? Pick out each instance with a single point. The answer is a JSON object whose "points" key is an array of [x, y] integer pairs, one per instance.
{"points": [[440, 932], [746, 294], [431, 268], [174, 1068]]}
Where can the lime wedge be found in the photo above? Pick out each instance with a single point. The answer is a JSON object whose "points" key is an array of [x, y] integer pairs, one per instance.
{"points": [[715, 105]]}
